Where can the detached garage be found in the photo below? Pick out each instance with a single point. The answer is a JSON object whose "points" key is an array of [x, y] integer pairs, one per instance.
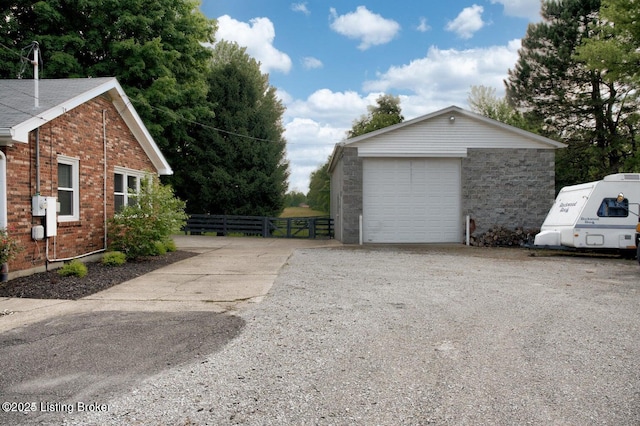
{"points": [[416, 182]]}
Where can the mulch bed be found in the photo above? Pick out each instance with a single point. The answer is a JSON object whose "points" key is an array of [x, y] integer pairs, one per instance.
{"points": [[50, 285]]}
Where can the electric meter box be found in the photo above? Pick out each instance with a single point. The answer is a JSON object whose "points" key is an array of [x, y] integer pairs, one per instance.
{"points": [[39, 205]]}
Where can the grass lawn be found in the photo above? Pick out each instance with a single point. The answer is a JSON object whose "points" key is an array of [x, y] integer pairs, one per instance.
{"points": [[301, 212]]}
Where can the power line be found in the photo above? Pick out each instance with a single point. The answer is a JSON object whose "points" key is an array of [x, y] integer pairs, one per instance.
{"points": [[24, 60], [206, 126], [12, 51]]}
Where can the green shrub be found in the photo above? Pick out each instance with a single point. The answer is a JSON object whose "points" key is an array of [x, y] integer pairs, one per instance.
{"points": [[74, 268], [170, 245], [137, 228], [159, 249], [114, 258]]}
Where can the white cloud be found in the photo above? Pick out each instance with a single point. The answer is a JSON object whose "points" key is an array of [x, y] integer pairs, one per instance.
{"points": [[529, 9], [370, 28], [310, 62], [444, 77], [257, 36], [300, 7], [309, 144], [423, 27], [468, 22], [326, 106]]}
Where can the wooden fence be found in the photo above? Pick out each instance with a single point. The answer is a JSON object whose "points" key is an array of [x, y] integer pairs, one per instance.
{"points": [[267, 227]]}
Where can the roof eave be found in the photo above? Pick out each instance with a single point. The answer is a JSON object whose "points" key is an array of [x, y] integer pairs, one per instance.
{"points": [[472, 115], [140, 132], [20, 132]]}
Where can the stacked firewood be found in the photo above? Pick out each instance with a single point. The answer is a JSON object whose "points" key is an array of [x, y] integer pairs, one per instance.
{"points": [[499, 236]]}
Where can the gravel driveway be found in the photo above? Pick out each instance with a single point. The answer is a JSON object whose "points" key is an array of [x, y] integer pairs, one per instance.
{"points": [[416, 336]]}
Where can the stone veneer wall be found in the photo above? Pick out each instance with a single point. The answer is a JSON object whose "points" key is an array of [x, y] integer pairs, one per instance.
{"points": [[352, 195], [508, 187]]}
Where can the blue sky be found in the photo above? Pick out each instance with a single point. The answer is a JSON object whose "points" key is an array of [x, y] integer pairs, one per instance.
{"points": [[329, 60]]}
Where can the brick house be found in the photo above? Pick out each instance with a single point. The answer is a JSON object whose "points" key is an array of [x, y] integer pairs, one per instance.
{"points": [[416, 181], [69, 151]]}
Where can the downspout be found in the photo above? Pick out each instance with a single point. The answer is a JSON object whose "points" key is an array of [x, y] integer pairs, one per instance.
{"points": [[104, 189], [37, 161]]}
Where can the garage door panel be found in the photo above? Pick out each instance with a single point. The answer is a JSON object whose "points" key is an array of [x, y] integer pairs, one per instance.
{"points": [[411, 200]]}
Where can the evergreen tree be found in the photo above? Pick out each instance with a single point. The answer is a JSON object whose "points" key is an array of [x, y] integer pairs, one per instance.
{"points": [[241, 151], [572, 103]]}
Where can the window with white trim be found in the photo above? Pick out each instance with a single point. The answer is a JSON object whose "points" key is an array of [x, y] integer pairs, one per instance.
{"points": [[68, 188], [126, 186]]}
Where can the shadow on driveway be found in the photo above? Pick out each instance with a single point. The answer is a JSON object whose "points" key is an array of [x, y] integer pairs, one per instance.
{"points": [[86, 357]]}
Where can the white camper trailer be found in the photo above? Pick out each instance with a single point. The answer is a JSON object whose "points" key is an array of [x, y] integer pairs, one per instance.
{"points": [[594, 215]]}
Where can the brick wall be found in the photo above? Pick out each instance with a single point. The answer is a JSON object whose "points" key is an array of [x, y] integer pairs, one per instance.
{"points": [[508, 187], [78, 134]]}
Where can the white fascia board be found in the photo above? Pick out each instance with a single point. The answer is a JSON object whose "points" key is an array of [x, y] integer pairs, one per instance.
{"points": [[139, 130], [461, 153], [454, 109]]}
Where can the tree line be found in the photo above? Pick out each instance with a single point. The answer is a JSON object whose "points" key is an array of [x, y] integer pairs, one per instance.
{"points": [[211, 111]]}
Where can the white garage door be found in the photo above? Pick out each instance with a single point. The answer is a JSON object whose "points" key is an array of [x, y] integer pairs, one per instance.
{"points": [[411, 200]]}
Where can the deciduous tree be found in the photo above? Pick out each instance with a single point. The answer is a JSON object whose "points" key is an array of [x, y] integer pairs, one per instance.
{"points": [[386, 113], [319, 194], [483, 100]]}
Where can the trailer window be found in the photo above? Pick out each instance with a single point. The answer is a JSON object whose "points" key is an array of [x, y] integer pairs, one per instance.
{"points": [[610, 207]]}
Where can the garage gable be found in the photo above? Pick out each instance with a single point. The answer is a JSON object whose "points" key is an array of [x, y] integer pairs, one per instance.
{"points": [[446, 133]]}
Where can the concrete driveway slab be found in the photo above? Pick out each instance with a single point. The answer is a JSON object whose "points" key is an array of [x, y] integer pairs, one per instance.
{"points": [[227, 274]]}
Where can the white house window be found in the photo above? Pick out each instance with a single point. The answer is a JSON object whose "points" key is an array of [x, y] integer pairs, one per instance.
{"points": [[126, 187], [68, 189]]}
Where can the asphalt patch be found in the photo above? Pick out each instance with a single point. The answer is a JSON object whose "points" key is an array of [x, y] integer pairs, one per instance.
{"points": [[55, 365]]}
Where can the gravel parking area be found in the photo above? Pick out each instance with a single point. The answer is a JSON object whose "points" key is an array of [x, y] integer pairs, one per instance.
{"points": [[416, 336]]}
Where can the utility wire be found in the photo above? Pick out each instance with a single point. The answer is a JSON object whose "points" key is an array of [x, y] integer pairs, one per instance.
{"points": [[24, 59], [206, 126], [12, 51]]}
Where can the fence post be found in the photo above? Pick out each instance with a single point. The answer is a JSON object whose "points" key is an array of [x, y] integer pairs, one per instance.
{"points": [[265, 227], [312, 228]]}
